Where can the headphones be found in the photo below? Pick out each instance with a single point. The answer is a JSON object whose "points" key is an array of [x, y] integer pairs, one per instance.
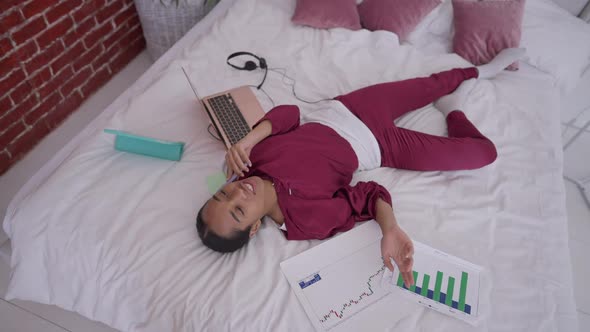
{"points": [[250, 65]]}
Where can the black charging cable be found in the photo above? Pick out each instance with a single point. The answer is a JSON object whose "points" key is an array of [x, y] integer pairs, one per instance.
{"points": [[283, 72]]}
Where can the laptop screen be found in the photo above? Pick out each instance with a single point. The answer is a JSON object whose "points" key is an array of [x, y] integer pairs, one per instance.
{"points": [[191, 83]]}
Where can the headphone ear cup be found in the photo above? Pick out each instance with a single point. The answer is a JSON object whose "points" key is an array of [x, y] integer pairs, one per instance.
{"points": [[250, 65]]}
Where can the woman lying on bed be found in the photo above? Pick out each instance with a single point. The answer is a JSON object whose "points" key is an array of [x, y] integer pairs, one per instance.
{"points": [[299, 175]]}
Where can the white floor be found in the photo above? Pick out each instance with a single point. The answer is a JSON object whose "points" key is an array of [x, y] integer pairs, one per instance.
{"points": [[23, 316]]}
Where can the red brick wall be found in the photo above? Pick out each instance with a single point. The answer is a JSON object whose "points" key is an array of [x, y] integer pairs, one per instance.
{"points": [[53, 55]]}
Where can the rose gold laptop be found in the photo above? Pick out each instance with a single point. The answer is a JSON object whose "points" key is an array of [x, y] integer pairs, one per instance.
{"points": [[232, 112]]}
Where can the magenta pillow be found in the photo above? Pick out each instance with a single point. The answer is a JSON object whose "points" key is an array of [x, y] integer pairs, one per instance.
{"points": [[484, 28], [398, 16], [327, 14]]}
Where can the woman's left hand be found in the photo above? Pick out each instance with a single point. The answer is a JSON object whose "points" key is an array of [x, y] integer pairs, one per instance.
{"points": [[397, 245]]}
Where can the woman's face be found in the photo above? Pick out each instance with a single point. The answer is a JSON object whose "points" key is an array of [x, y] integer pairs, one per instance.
{"points": [[236, 206]]}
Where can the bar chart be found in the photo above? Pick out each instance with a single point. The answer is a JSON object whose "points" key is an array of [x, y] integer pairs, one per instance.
{"points": [[442, 282], [436, 294]]}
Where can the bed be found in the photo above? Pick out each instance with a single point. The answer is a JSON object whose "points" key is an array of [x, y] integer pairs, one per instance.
{"points": [[112, 235]]}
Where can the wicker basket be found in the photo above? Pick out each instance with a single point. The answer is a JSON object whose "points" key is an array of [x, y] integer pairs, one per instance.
{"points": [[165, 21]]}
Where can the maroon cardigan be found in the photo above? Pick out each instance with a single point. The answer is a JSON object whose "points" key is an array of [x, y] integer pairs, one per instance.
{"points": [[311, 167]]}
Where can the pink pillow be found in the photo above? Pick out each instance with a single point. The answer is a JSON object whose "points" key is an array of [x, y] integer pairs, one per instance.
{"points": [[327, 14], [484, 28], [397, 16]]}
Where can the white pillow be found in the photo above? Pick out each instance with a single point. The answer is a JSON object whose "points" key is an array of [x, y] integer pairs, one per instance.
{"points": [[433, 35], [556, 41]]}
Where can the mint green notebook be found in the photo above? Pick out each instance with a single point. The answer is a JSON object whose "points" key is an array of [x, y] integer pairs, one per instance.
{"points": [[147, 146]]}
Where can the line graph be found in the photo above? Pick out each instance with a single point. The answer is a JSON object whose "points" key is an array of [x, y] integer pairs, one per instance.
{"points": [[345, 286], [352, 301]]}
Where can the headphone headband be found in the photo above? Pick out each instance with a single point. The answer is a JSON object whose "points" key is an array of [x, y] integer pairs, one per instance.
{"points": [[250, 65], [261, 61]]}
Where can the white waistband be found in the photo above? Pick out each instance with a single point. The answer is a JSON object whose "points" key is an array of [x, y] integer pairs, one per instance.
{"points": [[336, 116]]}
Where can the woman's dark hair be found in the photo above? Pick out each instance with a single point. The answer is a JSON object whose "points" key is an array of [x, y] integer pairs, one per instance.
{"points": [[218, 243]]}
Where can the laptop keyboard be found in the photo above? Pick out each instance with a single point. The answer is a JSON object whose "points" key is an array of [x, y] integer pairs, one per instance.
{"points": [[232, 121]]}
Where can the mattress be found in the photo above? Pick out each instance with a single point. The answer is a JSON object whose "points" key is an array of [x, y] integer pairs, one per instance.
{"points": [[112, 235]]}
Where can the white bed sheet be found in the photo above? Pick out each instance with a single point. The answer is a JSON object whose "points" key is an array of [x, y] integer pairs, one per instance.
{"points": [[111, 235]]}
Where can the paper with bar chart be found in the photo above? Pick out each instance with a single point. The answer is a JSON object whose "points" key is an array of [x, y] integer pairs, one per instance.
{"points": [[340, 278], [442, 282]]}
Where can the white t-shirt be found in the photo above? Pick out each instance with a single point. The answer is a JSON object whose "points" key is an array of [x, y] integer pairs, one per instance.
{"points": [[336, 116]]}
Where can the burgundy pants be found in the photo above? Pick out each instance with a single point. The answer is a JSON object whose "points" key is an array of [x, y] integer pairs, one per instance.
{"points": [[378, 105]]}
